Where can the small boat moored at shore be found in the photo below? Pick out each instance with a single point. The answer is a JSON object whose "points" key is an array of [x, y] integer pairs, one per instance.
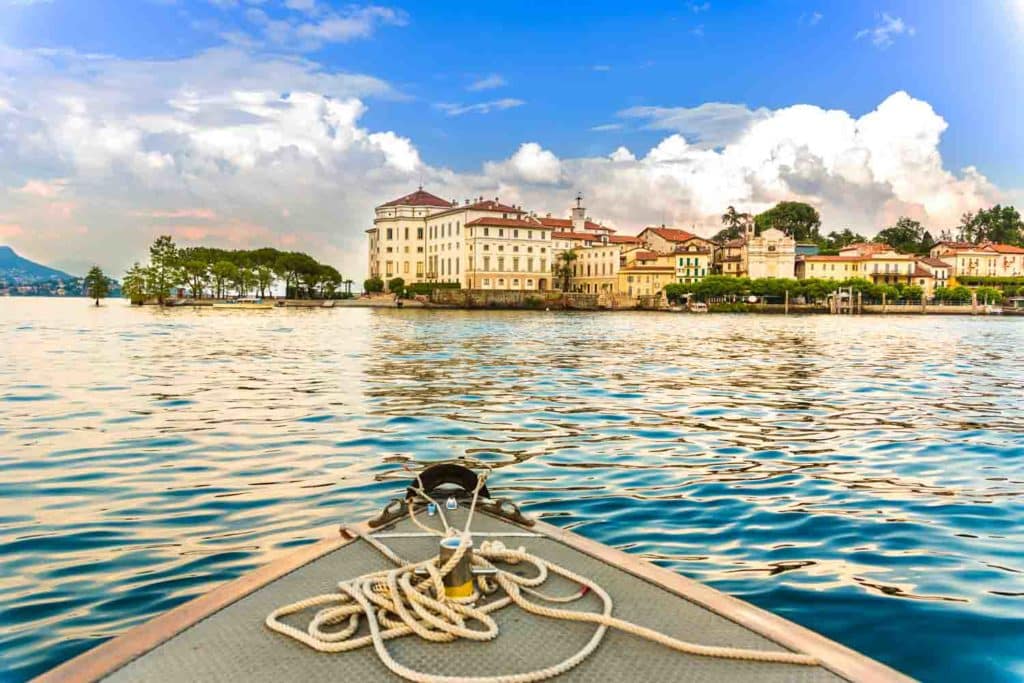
{"points": [[246, 304], [449, 581]]}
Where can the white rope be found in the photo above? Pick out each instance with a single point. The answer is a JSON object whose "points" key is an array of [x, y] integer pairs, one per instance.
{"points": [[398, 602]]}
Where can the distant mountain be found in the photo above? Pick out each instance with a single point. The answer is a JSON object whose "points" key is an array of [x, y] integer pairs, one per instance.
{"points": [[17, 269]]}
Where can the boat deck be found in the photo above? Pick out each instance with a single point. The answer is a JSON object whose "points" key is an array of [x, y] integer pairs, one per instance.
{"points": [[221, 637]]}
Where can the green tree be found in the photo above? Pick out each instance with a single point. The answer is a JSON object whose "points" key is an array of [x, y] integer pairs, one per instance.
{"points": [[373, 285], [989, 295], [96, 284], [243, 280], [133, 284], [997, 224], [330, 281], [164, 271], [958, 294], [565, 265], [913, 292], [817, 289], [396, 285], [797, 219], [734, 222], [906, 236], [196, 273], [264, 279], [223, 273], [837, 240], [677, 291]]}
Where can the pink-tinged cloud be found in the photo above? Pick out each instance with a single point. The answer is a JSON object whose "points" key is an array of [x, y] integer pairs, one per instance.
{"points": [[10, 230], [236, 234], [61, 209], [197, 214], [42, 188]]}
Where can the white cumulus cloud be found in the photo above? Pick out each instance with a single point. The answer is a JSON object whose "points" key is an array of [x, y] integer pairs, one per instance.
{"points": [[530, 164], [238, 149]]}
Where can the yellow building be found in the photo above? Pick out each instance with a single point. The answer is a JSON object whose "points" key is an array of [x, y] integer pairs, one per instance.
{"points": [[693, 263], [731, 258], [822, 267], [879, 263], [397, 240], [645, 272], [480, 243], [665, 240], [596, 267], [988, 259], [506, 253]]}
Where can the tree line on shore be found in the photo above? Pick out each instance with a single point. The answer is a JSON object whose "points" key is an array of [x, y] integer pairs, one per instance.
{"points": [[814, 289], [802, 222], [220, 273]]}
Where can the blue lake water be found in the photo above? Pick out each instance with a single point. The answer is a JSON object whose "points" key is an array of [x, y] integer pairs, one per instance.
{"points": [[861, 476]]}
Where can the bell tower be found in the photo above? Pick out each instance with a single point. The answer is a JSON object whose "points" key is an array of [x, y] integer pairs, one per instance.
{"points": [[579, 215]]}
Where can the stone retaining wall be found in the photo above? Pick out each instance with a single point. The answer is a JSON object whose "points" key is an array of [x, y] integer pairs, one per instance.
{"points": [[512, 298]]}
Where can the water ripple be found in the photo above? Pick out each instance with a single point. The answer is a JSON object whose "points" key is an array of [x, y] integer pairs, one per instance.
{"points": [[864, 477]]}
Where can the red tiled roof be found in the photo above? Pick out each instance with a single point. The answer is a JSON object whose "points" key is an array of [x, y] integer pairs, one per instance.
{"points": [[921, 272], [623, 239], [505, 222], [567, 223], [481, 205], [419, 198], [866, 247], [738, 242], [1007, 248], [934, 262], [967, 246], [671, 234], [645, 255], [582, 236], [667, 269], [492, 205], [826, 258]]}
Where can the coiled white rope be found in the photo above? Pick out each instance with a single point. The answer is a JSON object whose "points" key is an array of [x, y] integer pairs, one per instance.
{"points": [[398, 602]]}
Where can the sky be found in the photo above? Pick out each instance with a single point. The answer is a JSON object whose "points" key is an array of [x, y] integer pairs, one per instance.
{"points": [[245, 123]]}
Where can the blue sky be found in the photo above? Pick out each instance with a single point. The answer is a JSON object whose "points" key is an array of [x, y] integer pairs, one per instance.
{"points": [[467, 86]]}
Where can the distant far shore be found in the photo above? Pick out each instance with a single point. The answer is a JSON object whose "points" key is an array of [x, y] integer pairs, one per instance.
{"points": [[387, 301]]}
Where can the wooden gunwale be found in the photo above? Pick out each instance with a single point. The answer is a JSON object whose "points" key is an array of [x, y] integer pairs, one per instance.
{"points": [[110, 656]]}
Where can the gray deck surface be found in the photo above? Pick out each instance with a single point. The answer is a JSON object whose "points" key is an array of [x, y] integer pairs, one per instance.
{"points": [[234, 645]]}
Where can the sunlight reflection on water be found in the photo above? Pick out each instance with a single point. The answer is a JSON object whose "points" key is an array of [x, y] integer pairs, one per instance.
{"points": [[862, 476]]}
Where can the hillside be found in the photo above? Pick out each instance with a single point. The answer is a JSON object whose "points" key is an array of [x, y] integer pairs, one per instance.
{"points": [[15, 269]]}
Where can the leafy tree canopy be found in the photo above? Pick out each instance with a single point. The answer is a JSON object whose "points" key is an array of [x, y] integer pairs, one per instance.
{"points": [[906, 236], [97, 285], [373, 285], [997, 224], [797, 219]]}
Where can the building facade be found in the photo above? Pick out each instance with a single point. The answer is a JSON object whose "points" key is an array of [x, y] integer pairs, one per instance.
{"points": [[988, 259], [507, 253], [771, 254], [645, 273], [478, 244]]}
